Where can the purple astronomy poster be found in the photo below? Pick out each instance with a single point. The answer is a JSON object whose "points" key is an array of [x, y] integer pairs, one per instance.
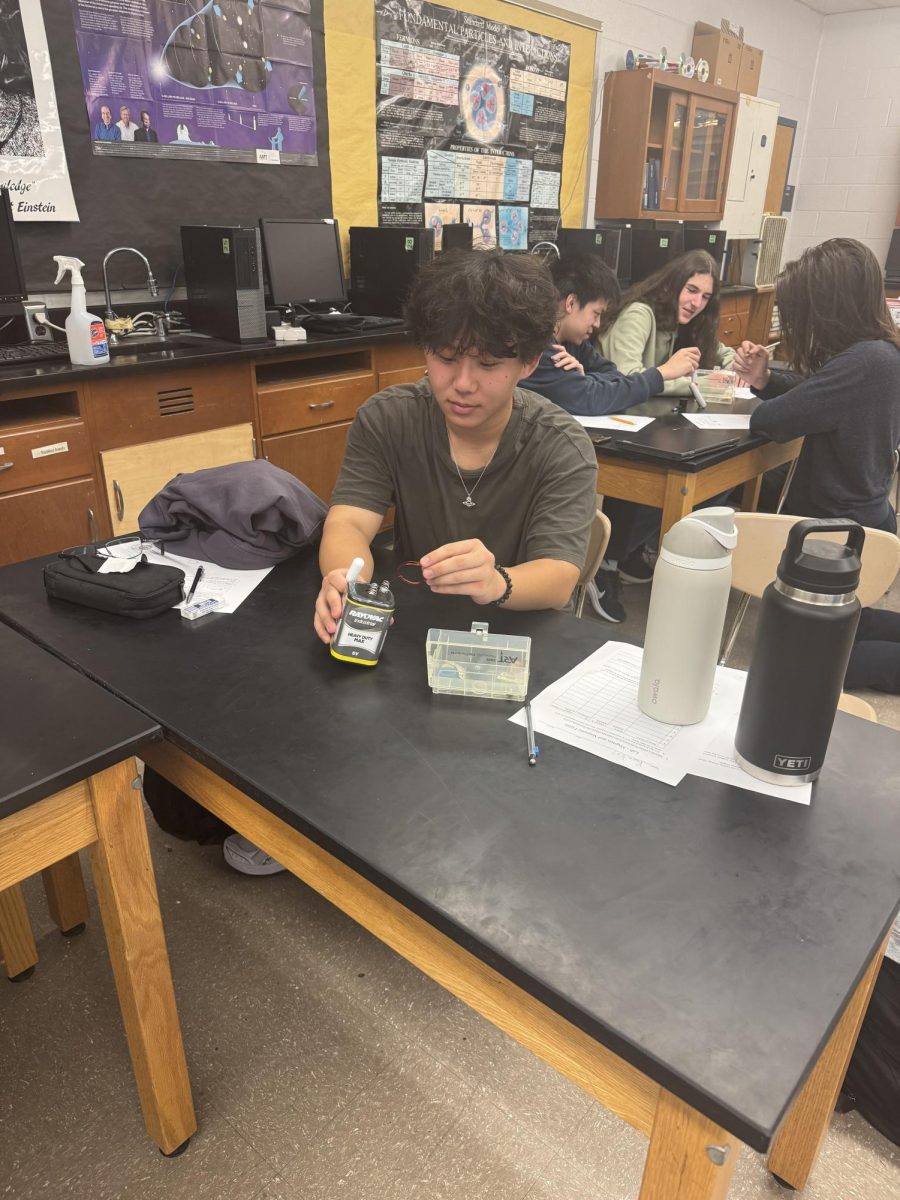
{"points": [[224, 80]]}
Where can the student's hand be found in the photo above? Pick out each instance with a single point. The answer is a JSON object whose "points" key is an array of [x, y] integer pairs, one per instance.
{"points": [[683, 362], [565, 361], [463, 569], [751, 362], [329, 603]]}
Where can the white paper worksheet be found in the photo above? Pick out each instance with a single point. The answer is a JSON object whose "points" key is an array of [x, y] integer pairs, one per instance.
{"points": [[615, 422], [707, 420], [231, 588], [718, 761], [594, 707]]}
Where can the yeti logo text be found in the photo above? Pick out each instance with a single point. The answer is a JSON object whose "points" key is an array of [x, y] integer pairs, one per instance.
{"points": [[786, 763]]}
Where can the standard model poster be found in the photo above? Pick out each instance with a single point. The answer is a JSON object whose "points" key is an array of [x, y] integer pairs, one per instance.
{"points": [[470, 122], [226, 80], [32, 158]]}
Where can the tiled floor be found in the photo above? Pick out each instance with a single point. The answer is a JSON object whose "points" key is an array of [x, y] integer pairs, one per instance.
{"points": [[323, 1067]]}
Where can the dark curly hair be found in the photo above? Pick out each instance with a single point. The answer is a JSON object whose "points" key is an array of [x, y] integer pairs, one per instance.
{"points": [[499, 304], [586, 277], [660, 291], [829, 299]]}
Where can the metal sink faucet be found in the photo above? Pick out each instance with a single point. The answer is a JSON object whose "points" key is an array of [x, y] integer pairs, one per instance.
{"points": [[151, 285]]}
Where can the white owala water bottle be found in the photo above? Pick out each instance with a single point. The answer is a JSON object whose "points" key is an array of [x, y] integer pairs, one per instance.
{"points": [[85, 332], [691, 583]]}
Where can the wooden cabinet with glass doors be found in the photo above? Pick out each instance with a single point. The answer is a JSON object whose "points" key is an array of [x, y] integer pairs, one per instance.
{"points": [[665, 147]]}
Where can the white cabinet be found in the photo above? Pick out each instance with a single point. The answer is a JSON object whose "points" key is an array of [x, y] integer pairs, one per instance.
{"points": [[751, 157]]}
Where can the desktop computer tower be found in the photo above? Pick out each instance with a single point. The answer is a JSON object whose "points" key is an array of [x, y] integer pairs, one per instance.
{"points": [[383, 265], [223, 275], [653, 248], [457, 237], [710, 240], [610, 243]]}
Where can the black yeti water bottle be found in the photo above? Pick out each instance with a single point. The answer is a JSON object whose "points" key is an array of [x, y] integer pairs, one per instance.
{"points": [[807, 623]]}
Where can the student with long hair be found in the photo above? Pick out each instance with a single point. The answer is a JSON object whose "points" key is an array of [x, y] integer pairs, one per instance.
{"points": [[674, 308], [674, 311], [842, 395]]}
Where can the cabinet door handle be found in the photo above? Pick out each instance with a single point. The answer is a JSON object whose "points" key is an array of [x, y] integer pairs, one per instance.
{"points": [[7, 466], [322, 404], [120, 500], [92, 525]]}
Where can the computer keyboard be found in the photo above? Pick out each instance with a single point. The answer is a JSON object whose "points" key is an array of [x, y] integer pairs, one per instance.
{"points": [[346, 322], [32, 352], [381, 322]]}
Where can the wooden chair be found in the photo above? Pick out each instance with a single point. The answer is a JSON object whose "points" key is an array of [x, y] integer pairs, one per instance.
{"points": [[761, 540], [67, 902], [600, 531], [857, 707]]}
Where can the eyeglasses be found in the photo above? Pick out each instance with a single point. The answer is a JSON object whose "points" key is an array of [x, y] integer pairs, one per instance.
{"points": [[130, 546]]}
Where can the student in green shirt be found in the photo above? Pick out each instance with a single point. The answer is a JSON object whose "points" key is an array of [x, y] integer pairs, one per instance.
{"points": [[675, 307]]}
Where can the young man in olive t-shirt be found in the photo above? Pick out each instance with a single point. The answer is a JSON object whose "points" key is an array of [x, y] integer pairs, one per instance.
{"points": [[495, 487]]}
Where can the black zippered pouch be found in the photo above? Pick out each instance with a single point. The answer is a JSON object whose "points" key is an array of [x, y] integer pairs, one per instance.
{"points": [[147, 590]]}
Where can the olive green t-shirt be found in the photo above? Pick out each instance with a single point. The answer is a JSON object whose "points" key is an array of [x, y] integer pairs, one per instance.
{"points": [[536, 499]]}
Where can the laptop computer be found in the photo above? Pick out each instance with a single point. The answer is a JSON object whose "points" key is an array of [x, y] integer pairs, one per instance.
{"points": [[678, 442]]}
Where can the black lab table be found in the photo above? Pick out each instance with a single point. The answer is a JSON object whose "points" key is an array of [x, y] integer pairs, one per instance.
{"points": [[697, 958]]}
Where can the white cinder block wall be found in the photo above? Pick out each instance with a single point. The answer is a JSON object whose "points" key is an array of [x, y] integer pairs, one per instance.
{"points": [[849, 178], [838, 77]]}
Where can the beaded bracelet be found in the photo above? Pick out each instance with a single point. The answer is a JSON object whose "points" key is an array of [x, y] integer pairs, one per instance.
{"points": [[509, 584]]}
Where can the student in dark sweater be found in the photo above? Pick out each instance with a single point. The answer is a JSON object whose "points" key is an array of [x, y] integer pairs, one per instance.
{"points": [[571, 372], [575, 376], [842, 395]]}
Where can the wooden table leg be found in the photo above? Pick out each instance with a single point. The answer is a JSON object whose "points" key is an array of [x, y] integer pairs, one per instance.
{"points": [[679, 498], [129, 907], [750, 494], [798, 1141], [16, 939], [690, 1157], [66, 897]]}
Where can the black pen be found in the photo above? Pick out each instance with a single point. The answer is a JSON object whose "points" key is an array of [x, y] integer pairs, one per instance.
{"points": [[197, 579], [533, 750]]}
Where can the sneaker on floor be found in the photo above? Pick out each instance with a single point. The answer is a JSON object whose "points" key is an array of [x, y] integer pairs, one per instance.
{"points": [[635, 568], [605, 594], [247, 858]]}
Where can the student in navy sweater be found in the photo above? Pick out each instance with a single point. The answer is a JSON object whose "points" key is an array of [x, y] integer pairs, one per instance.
{"points": [[842, 395], [571, 372], [575, 376]]}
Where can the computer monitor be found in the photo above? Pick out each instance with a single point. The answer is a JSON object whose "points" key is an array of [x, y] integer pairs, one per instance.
{"points": [[12, 279], [303, 261]]}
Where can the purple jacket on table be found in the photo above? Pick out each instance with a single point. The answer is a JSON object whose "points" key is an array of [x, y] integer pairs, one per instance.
{"points": [[600, 390]]}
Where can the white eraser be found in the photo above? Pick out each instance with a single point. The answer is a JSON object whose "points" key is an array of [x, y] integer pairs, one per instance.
{"points": [[191, 612], [289, 333]]}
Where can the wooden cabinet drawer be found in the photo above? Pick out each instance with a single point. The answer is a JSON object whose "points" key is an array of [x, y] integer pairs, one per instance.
{"points": [[401, 375], [47, 519], [130, 409], [397, 355], [314, 456], [32, 457], [323, 401]]}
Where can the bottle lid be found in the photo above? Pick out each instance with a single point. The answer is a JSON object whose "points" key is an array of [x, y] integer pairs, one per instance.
{"points": [[814, 565], [708, 533]]}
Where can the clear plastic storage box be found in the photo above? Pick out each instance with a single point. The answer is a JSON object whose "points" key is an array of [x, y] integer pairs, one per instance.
{"points": [[493, 666]]}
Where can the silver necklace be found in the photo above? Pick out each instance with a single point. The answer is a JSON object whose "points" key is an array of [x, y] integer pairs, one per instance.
{"points": [[469, 502]]}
